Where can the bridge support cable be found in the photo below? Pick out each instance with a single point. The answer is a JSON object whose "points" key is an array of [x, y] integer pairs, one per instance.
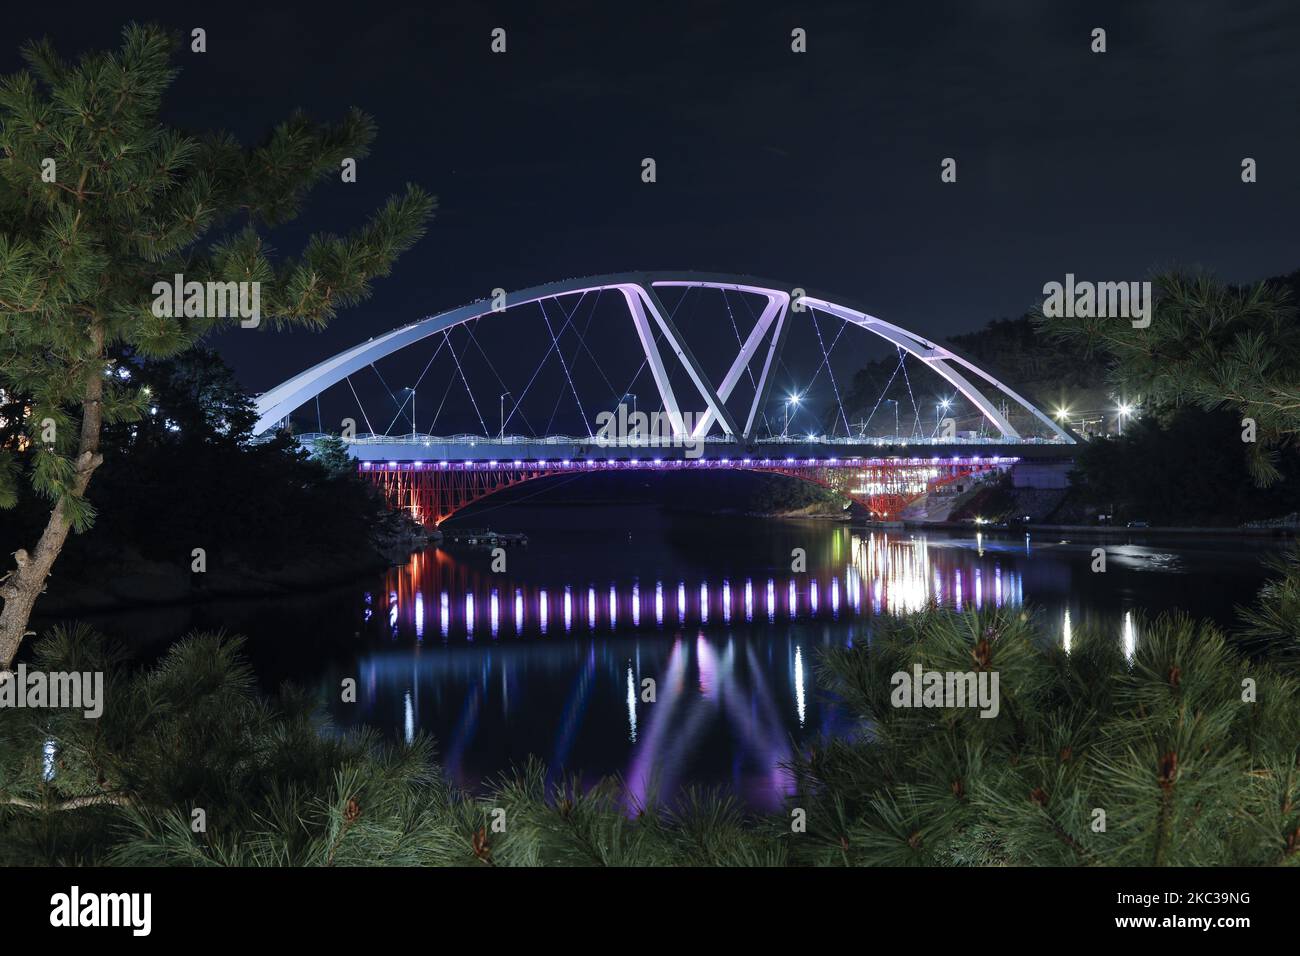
{"points": [[469, 391], [735, 329], [451, 380], [600, 368], [364, 416], [582, 346], [427, 366], [826, 361], [943, 362], [574, 358], [401, 408], [567, 375], [881, 397], [390, 392], [469, 328], [554, 347], [916, 424]]}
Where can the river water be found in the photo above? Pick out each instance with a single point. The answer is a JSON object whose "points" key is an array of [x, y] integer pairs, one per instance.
{"points": [[549, 657]]}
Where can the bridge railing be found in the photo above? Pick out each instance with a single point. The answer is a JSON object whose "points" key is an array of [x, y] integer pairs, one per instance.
{"points": [[308, 438]]}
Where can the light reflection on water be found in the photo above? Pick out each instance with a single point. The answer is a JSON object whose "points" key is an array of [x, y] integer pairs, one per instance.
{"points": [[883, 574], [550, 658], [729, 656], [725, 709]]}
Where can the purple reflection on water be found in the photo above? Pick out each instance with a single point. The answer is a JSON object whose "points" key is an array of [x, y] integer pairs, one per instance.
{"points": [[732, 697]]}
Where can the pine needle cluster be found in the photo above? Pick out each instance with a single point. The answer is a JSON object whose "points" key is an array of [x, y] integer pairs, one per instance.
{"points": [[1209, 345], [1185, 753], [100, 201]]}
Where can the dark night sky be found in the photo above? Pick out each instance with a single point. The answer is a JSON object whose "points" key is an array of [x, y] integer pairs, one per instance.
{"points": [[820, 169]]}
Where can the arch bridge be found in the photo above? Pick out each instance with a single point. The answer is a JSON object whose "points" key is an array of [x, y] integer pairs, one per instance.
{"points": [[706, 417]]}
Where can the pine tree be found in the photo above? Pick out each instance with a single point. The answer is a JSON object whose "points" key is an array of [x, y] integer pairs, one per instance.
{"points": [[1212, 346], [331, 454], [1187, 748], [1272, 623], [1184, 755], [100, 200]]}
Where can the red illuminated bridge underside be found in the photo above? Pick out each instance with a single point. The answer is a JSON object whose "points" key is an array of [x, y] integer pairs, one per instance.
{"points": [[434, 491]]}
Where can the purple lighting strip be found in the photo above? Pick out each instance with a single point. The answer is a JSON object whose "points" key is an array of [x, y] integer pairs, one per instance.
{"points": [[672, 464]]}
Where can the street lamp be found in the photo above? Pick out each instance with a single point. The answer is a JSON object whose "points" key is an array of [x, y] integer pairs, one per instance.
{"points": [[1125, 409], [412, 391], [502, 436], [895, 402], [792, 400], [942, 405]]}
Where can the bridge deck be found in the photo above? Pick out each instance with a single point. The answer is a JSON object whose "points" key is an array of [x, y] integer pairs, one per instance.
{"points": [[428, 448]]}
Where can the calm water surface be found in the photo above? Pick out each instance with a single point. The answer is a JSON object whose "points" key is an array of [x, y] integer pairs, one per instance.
{"points": [[548, 657]]}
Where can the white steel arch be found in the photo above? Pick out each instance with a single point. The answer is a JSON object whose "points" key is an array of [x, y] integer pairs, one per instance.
{"points": [[648, 312]]}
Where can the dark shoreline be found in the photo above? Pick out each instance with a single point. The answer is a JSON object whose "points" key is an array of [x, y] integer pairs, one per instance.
{"points": [[138, 583], [1103, 530]]}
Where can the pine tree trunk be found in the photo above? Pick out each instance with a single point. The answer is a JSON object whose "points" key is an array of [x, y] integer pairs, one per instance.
{"points": [[27, 582]]}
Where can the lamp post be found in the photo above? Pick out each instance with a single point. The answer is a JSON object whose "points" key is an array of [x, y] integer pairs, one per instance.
{"points": [[1125, 409], [792, 400], [412, 391], [1063, 416], [942, 405]]}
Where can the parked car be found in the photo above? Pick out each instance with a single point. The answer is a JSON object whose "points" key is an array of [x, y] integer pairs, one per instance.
{"points": [[1138, 524]]}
